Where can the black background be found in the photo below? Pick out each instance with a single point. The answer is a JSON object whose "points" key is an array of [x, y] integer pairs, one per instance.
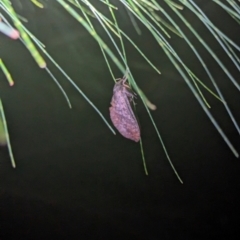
{"points": [[75, 179]]}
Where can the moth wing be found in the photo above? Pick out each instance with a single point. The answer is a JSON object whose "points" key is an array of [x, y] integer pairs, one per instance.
{"points": [[125, 124]]}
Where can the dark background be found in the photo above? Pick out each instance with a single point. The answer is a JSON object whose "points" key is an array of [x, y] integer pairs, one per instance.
{"points": [[75, 179]]}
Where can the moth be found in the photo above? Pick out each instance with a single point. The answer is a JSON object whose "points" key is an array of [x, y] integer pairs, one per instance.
{"points": [[121, 112]]}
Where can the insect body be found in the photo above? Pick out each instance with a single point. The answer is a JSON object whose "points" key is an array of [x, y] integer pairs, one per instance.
{"points": [[121, 111]]}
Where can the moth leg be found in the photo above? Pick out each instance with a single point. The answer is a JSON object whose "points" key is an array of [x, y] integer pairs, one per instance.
{"points": [[132, 99], [126, 85]]}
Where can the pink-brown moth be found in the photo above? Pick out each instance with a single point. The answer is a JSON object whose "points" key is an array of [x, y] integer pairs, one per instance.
{"points": [[121, 112]]}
